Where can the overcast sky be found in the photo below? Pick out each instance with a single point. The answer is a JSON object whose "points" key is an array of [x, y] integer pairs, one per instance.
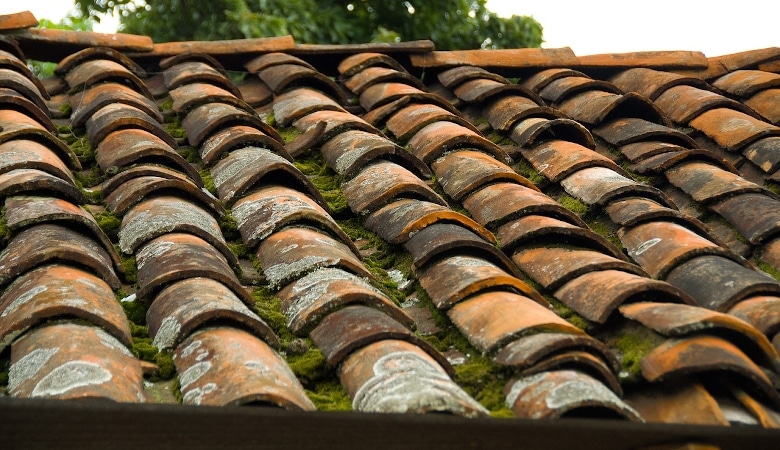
{"points": [[714, 27]]}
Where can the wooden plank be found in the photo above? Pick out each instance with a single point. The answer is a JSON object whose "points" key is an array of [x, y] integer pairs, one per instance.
{"points": [[16, 21], [522, 58], [421, 46], [44, 424], [220, 48], [721, 65], [662, 60], [52, 45], [770, 66]]}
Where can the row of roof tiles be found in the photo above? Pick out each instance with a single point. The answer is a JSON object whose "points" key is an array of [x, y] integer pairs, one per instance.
{"points": [[705, 307]]}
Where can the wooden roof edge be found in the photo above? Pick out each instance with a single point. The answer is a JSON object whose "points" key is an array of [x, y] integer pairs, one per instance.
{"points": [[419, 46], [519, 58], [17, 21], [220, 48], [670, 59], [721, 65]]}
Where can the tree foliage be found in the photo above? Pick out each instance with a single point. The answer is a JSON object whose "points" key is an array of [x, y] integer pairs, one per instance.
{"points": [[451, 24]]}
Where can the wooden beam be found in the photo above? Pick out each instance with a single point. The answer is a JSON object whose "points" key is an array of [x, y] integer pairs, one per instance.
{"points": [[16, 21]]}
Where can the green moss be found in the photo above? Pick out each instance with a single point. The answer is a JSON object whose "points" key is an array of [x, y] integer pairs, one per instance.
{"points": [[167, 104], [310, 366], [164, 361], [269, 308], [769, 270], [573, 205], [190, 154], [525, 169], [606, 231], [270, 119], [208, 182], [109, 223], [174, 128], [229, 227], [634, 345], [3, 225], [567, 314], [239, 250], [90, 178], [330, 396], [289, 134], [772, 186], [65, 109], [83, 150], [135, 310], [5, 366], [176, 390], [500, 139], [130, 267]]}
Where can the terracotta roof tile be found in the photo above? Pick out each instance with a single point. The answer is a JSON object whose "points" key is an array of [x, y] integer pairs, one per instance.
{"points": [[348, 152], [675, 403], [34, 181], [558, 159], [536, 130], [136, 189], [381, 182], [18, 130], [463, 172], [505, 111], [232, 137], [602, 185], [533, 229], [116, 116], [211, 118], [92, 99], [439, 137], [596, 106], [732, 129], [297, 103]]}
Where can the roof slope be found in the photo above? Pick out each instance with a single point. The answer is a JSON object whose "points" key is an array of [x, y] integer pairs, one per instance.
{"points": [[388, 228]]}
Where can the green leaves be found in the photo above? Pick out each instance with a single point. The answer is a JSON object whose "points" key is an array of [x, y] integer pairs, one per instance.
{"points": [[451, 24]]}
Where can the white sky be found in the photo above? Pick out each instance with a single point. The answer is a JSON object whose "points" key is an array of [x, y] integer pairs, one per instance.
{"points": [[714, 27]]}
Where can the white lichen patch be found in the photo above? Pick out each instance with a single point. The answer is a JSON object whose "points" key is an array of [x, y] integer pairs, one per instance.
{"points": [[645, 246], [348, 158], [190, 348], [28, 366], [195, 396], [193, 373], [279, 273], [71, 375], [152, 251], [111, 342], [167, 334], [24, 298], [404, 382]]}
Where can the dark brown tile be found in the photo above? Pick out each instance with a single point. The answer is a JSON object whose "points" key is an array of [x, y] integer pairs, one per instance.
{"points": [[540, 80], [34, 181], [660, 247], [274, 59], [379, 115], [168, 62], [684, 403], [505, 111], [412, 118], [683, 103], [632, 211], [373, 75], [383, 93], [190, 72], [535, 130], [191, 95], [41, 244], [557, 159], [491, 320], [452, 77], [437, 138], [179, 256], [353, 327], [398, 221], [25, 211], [255, 92], [381, 182], [732, 129], [133, 191], [9, 61], [357, 62], [291, 253], [640, 151], [183, 307], [11, 99], [68, 361], [554, 267], [271, 208], [660, 163], [763, 312], [499, 203], [652, 83], [116, 116], [708, 183], [675, 320], [717, 283], [224, 366], [440, 239], [702, 354], [309, 299], [463, 172], [89, 101], [553, 395], [348, 152], [582, 362], [250, 167], [297, 103], [558, 90], [765, 415], [623, 131], [533, 230], [233, 137], [55, 291], [601, 185], [765, 104], [392, 376], [97, 53], [127, 147], [527, 351], [755, 216], [145, 170], [166, 214], [592, 107], [284, 76], [19, 127], [95, 71], [211, 118], [481, 90], [453, 279], [745, 83]]}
